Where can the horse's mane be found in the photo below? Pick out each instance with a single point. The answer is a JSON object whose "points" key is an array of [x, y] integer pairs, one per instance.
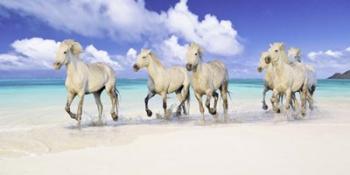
{"points": [[155, 59], [75, 46], [194, 45]]}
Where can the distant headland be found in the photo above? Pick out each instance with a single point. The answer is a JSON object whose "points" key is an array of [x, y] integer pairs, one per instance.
{"points": [[345, 75]]}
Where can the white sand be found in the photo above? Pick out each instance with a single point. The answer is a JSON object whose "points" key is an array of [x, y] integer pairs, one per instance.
{"points": [[254, 143]]}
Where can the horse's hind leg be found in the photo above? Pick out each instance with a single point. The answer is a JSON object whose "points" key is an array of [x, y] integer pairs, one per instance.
{"points": [[166, 115], [309, 98], [97, 96], [210, 94], [114, 99], [223, 92], [182, 96], [216, 97], [70, 98], [181, 99]]}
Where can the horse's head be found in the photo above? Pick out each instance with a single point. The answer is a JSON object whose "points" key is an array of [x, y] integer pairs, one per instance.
{"points": [[294, 54], [265, 60], [143, 59], [276, 52], [193, 56], [66, 49]]}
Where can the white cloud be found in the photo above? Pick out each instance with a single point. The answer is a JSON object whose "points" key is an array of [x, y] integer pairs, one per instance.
{"points": [[39, 53], [129, 20], [93, 55], [330, 61], [217, 37], [172, 51], [327, 53]]}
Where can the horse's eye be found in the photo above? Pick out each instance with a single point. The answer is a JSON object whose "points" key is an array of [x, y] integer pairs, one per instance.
{"points": [[196, 54], [276, 50], [144, 57], [65, 52]]}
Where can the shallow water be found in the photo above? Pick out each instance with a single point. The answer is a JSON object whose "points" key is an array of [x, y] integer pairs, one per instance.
{"points": [[41, 101]]}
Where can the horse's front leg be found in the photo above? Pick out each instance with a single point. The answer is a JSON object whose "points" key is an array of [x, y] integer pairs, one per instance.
{"points": [[80, 108], [70, 98], [288, 99], [200, 103], [207, 102], [166, 114], [275, 101], [149, 96], [264, 105]]}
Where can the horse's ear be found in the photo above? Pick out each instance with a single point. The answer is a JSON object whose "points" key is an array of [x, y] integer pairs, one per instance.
{"points": [[270, 44], [76, 48], [149, 52], [282, 45]]}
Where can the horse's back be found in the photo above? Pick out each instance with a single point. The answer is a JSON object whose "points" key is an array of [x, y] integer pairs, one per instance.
{"points": [[177, 77], [100, 75], [218, 70]]}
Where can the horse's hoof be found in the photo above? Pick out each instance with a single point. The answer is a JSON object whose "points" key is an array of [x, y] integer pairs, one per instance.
{"points": [[278, 111], [73, 116], [178, 114], [212, 111], [114, 116], [149, 113], [265, 107]]}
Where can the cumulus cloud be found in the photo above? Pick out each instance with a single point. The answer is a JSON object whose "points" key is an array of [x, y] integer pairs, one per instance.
{"points": [[172, 50], [328, 53], [217, 37], [39, 53], [129, 20], [330, 61]]}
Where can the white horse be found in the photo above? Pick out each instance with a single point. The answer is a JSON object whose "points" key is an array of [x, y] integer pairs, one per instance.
{"points": [[269, 77], [294, 55], [163, 81], [85, 78], [206, 79], [287, 79]]}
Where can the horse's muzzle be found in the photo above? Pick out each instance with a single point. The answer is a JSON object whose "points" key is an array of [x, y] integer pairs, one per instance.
{"points": [[57, 65], [136, 67], [259, 69], [189, 67]]}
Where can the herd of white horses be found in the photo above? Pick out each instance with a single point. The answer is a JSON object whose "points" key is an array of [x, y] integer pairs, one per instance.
{"points": [[285, 75]]}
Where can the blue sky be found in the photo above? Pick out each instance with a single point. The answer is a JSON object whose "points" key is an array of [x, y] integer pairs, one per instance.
{"points": [[233, 31]]}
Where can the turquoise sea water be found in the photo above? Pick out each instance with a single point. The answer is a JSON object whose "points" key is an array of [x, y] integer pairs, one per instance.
{"points": [[45, 92]]}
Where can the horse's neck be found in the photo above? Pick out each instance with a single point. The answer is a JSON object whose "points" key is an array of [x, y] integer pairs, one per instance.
{"points": [[197, 72], [72, 66], [155, 69], [279, 67]]}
